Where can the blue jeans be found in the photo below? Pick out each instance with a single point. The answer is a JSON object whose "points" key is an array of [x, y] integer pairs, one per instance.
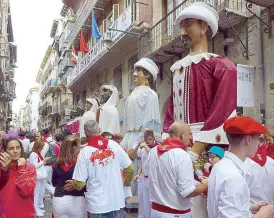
{"points": [[113, 214]]}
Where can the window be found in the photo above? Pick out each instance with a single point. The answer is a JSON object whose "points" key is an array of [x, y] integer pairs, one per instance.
{"points": [[117, 79], [131, 63], [128, 2]]}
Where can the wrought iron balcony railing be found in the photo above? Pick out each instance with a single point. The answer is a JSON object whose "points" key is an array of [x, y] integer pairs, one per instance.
{"points": [[164, 31]]}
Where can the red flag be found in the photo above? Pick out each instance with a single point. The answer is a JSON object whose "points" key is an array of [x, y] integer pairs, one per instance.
{"points": [[83, 44], [74, 55]]}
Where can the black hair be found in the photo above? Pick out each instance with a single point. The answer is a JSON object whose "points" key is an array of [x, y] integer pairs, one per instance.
{"points": [[59, 137], [148, 133], [149, 76]]}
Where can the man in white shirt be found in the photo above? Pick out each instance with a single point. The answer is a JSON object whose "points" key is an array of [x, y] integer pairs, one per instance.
{"points": [[98, 167], [260, 173], [228, 192], [25, 142], [171, 176]]}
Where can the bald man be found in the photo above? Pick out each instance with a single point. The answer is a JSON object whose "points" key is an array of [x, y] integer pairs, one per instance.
{"points": [[171, 176]]}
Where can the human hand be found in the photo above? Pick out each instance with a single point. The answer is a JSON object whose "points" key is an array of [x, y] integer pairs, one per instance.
{"points": [[69, 185], [46, 159], [204, 180], [257, 206], [136, 178], [266, 211], [21, 161], [207, 167], [5, 160], [143, 145]]}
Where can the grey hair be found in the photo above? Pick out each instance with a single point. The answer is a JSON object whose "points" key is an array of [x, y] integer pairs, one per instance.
{"points": [[91, 128]]}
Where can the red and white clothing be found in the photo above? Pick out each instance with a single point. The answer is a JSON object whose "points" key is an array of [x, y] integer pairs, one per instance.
{"points": [[143, 183], [16, 191], [260, 173], [228, 192], [37, 160], [25, 142], [99, 164], [204, 94], [171, 180]]}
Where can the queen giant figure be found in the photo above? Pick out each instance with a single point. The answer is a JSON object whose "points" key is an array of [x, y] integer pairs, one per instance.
{"points": [[142, 108]]}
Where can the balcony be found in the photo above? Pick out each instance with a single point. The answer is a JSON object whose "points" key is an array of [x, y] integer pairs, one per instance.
{"points": [[110, 49], [56, 109], [162, 41], [43, 109], [50, 85], [263, 3], [64, 105]]}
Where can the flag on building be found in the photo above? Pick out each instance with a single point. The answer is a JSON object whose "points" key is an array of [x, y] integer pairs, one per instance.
{"points": [[74, 56], [83, 44], [95, 32]]}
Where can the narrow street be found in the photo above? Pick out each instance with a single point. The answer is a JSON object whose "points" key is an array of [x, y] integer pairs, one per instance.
{"points": [[48, 209]]}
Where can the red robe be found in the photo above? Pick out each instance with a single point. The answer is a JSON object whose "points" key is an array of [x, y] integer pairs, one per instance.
{"points": [[205, 91], [17, 193]]}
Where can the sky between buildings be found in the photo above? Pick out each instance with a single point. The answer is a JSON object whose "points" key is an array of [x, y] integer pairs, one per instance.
{"points": [[32, 21]]}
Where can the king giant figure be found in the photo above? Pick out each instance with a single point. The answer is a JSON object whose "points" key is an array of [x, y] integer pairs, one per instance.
{"points": [[204, 84]]}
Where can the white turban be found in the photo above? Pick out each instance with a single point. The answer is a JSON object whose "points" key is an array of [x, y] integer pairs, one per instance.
{"points": [[200, 11], [149, 65]]}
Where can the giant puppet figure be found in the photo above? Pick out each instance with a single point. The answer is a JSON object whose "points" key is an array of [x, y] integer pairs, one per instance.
{"points": [[204, 84], [90, 114], [109, 118], [142, 108]]}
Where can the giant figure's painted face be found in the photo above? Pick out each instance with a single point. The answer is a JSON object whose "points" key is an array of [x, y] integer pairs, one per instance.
{"points": [[192, 31], [105, 95]]}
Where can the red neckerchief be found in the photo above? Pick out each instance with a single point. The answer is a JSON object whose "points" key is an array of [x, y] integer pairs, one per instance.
{"points": [[67, 166], [260, 157], [45, 138], [21, 137], [98, 142], [169, 144], [40, 157], [155, 144]]}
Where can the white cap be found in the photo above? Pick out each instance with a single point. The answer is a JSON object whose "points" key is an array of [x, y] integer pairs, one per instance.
{"points": [[149, 65], [91, 101], [200, 11]]}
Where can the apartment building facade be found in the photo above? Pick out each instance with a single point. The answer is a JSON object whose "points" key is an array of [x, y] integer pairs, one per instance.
{"points": [[245, 37], [8, 58], [29, 112], [134, 29]]}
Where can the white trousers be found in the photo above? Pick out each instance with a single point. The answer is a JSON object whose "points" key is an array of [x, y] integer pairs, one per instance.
{"points": [[199, 207], [39, 192], [49, 186], [143, 196], [69, 207], [157, 214]]}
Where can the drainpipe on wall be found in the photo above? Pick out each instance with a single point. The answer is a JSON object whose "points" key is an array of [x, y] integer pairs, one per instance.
{"points": [[260, 65]]}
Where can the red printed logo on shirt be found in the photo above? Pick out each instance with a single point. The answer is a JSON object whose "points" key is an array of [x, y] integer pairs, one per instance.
{"points": [[102, 156]]}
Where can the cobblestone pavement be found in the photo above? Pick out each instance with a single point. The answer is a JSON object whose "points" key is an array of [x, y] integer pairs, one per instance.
{"points": [[48, 209]]}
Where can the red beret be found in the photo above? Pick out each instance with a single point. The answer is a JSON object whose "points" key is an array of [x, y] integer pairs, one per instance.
{"points": [[243, 126]]}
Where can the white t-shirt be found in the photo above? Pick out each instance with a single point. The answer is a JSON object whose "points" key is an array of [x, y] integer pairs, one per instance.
{"points": [[228, 193], [171, 178], [103, 179], [143, 155], [260, 180], [26, 143]]}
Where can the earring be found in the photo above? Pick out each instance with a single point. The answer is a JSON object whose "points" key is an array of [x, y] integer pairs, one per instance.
{"points": [[147, 82]]}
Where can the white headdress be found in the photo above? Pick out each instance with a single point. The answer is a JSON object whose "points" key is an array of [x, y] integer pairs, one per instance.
{"points": [[201, 11], [149, 65]]}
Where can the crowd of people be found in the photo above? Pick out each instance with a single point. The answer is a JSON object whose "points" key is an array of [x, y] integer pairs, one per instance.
{"points": [[85, 180]]}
